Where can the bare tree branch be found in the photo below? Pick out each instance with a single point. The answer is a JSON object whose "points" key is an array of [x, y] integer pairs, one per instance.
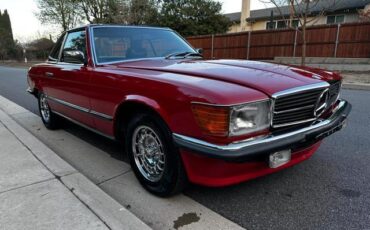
{"points": [[60, 12], [307, 12]]}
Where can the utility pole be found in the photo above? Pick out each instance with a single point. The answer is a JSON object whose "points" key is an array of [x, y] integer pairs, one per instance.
{"points": [[25, 57]]}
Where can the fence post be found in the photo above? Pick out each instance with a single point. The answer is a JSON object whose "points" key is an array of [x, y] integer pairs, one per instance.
{"points": [[212, 51], [295, 41], [249, 44], [337, 41]]}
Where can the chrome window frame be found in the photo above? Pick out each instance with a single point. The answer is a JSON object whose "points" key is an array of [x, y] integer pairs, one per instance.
{"points": [[63, 44], [55, 61]]}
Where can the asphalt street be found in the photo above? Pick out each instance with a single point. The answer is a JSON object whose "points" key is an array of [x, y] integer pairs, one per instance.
{"points": [[329, 191]]}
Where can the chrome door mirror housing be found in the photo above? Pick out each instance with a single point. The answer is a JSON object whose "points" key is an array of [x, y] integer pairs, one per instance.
{"points": [[74, 56], [199, 50]]}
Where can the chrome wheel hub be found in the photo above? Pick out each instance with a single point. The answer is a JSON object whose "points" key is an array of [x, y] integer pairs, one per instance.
{"points": [[148, 153], [44, 108]]}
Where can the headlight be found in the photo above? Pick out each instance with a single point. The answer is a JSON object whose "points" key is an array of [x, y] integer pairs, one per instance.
{"points": [[237, 120], [249, 118]]}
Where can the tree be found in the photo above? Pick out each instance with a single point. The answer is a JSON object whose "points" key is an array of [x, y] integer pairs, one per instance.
{"points": [[189, 17], [365, 14], [306, 12], [143, 12], [135, 12], [64, 13], [119, 12], [8, 48], [4, 44], [6, 24], [98, 11], [193, 17], [39, 48]]}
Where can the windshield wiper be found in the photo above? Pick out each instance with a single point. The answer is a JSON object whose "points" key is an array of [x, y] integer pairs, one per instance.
{"points": [[183, 54], [193, 54]]}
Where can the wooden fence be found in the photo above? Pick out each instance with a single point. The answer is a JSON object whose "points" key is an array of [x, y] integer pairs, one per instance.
{"points": [[351, 40]]}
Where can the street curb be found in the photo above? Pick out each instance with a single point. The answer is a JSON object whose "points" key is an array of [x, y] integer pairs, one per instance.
{"points": [[356, 86], [113, 214]]}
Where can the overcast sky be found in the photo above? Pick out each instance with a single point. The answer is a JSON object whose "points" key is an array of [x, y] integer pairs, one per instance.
{"points": [[26, 26]]}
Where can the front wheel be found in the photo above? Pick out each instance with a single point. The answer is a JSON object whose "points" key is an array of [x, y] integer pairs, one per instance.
{"points": [[155, 160], [50, 120]]}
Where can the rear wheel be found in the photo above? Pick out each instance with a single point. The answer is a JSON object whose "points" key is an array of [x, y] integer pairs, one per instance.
{"points": [[155, 160], [50, 120]]}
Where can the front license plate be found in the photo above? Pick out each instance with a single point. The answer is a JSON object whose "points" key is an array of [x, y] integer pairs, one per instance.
{"points": [[279, 158]]}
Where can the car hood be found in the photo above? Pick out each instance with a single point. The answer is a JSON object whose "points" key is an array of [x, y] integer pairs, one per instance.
{"points": [[266, 77]]}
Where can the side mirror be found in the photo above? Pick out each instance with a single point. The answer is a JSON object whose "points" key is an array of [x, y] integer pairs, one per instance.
{"points": [[199, 50], [74, 56]]}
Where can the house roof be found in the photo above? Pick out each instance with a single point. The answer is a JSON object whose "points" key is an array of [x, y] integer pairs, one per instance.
{"points": [[330, 6], [234, 17]]}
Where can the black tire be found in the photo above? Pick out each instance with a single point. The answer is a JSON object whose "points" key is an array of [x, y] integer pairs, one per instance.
{"points": [[173, 179], [51, 122]]}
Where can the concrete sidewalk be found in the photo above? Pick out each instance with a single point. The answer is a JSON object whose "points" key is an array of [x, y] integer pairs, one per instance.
{"points": [[39, 190], [112, 177]]}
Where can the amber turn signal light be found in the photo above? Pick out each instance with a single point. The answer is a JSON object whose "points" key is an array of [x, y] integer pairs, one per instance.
{"points": [[213, 120]]}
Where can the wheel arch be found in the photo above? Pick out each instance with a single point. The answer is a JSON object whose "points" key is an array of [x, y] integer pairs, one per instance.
{"points": [[35, 92], [132, 105]]}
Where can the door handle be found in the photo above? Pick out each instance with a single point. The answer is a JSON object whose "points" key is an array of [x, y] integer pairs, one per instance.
{"points": [[49, 74]]}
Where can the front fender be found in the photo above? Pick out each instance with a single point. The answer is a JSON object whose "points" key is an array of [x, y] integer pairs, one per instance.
{"points": [[147, 102]]}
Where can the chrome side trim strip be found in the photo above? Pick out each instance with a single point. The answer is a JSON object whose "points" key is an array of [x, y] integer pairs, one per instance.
{"points": [[81, 109], [84, 126], [102, 115], [73, 106]]}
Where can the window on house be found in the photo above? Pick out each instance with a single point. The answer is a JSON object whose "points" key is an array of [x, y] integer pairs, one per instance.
{"points": [[339, 19], [282, 24], [335, 19], [330, 20], [295, 23], [270, 25]]}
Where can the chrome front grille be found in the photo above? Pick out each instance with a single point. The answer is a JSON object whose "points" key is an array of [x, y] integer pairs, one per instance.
{"points": [[298, 106]]}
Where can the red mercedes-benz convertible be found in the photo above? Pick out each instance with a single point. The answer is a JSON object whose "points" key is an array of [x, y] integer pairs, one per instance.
{"points": [[182, 118]]}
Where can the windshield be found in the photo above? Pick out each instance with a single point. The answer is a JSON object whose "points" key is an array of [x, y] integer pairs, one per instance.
{"points": [[124, 43]]}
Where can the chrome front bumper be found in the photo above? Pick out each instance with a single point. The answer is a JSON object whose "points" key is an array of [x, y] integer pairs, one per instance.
{"points": [[242, 151]]}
